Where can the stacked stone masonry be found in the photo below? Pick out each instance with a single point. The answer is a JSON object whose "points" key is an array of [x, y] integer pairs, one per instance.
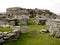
{"points": [[10, 36], [53, 26], [18, 15]]}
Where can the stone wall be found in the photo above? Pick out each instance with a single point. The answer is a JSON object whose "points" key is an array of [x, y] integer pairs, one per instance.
{"points": [[29, 12], [16, 20], [10, 36], [53, 26], [23, 19], [41, 19], [15, 13]]}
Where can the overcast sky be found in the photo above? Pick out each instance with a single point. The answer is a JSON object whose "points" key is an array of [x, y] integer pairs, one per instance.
{"points": [[53, 5]]}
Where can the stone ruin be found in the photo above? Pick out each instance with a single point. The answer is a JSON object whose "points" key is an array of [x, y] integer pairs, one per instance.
{"points": [[43, 15], [43, 12], [18, 20], [41, 19], [14, 16], [15, 20], [18, 16], [53, 26], [16, 11], [30, 12], [10, 36]]}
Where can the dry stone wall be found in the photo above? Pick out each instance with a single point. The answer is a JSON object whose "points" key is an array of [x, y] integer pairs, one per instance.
{"points": [[41, 19], [13, 15], [30, 12], [53, 26], [10, 36]]}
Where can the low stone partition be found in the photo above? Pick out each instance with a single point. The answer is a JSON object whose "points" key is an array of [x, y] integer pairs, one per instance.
{"points": [[10, 36], [24, 29], [53, 26]]}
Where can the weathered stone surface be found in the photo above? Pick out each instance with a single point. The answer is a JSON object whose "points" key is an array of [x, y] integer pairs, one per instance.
{"points": [[54, 27], [48, 23], [57, 34], [47, 13], [10, 36], [16, 11], [5, 33], [41, 19], [1, 35], [13, 15], [53, 33], [15, 39], [30, 12], [24, 19], [18, 20], [43, 31], [2, 41], [5, 38], [24, 29]]}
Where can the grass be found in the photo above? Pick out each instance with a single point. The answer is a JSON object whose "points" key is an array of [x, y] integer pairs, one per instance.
{"points": [[6, 29], [37, 39]]}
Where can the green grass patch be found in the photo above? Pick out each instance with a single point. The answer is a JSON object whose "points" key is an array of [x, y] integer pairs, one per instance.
{"points": [[6, 29]]}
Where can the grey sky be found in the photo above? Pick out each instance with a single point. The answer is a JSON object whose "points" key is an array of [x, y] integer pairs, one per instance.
{"points": [[53, 5]]}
